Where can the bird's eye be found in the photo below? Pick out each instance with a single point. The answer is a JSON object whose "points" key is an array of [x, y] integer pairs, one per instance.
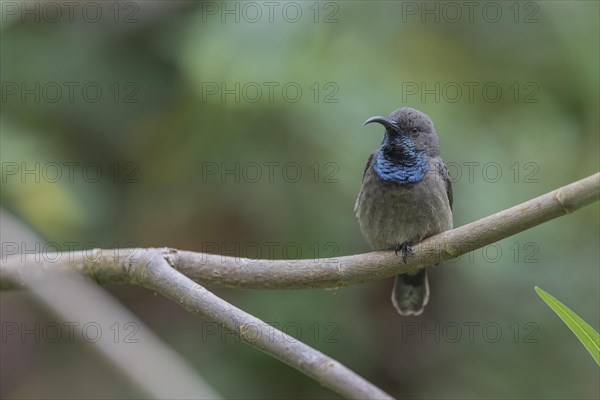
{"points": [[414, 130]]}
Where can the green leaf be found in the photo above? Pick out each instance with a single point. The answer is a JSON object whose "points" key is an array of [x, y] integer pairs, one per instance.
{"points": [[586, 334]]}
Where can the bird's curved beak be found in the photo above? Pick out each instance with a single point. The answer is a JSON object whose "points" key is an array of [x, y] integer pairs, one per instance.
{"points": [[389, 124]]}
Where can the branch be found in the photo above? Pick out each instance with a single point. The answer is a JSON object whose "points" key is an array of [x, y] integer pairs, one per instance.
{"points": [[170, 272], [156, 369], [114, 266], [156, 274], [134, 351], [161, 277]]}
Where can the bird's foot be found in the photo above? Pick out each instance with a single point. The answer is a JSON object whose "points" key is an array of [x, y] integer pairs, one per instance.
{"points": [[405, 249]]}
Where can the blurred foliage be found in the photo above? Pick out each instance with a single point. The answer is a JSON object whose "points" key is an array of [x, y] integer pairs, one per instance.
{"points": [[156, 133]]}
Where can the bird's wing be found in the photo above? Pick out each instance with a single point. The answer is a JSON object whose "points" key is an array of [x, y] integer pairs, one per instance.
{"points": [[443, 171], [369, 161]]}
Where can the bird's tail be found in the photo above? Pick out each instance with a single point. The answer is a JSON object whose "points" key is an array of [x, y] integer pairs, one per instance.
{"points": [[411, 293]]}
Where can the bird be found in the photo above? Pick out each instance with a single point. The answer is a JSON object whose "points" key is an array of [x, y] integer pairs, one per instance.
{"points": [[405, 197]]}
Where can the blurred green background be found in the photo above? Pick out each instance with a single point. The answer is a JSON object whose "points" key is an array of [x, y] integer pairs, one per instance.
{"points": [[161, 97]]}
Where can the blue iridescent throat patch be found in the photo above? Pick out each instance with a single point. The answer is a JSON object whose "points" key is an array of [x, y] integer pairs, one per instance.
{"points": [[410, 169]]}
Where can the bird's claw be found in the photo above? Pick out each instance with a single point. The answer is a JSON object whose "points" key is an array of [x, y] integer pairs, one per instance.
{"points": [[405, 249]]}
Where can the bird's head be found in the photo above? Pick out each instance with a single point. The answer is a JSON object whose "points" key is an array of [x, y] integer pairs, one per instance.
{"points": [[407, 125]]}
